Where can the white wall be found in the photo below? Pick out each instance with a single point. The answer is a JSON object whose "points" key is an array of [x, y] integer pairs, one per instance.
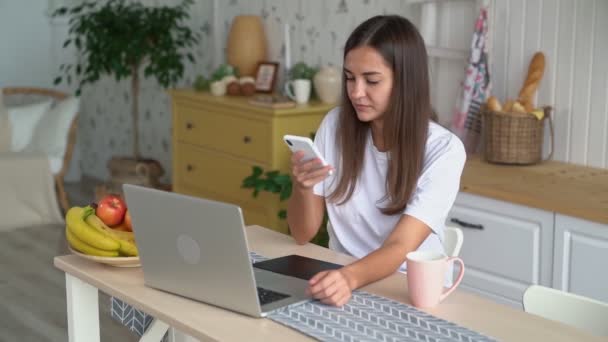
{"points": [[31, 51], [25, 34], [573, 34], [453, 30]]}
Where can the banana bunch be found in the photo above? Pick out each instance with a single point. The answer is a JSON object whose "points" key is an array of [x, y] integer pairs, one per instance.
{"points": [[88, 234]]}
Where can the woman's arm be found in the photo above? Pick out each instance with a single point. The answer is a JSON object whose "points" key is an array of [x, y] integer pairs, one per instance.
{"points": [[305, 209], [408, 235], [304, 214], [335, 287]]}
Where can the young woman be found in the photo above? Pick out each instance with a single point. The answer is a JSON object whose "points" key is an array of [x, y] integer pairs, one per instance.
{"points": [[397, 172]]}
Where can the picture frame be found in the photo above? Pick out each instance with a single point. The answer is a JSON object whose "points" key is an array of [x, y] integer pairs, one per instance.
{"points": [[266, 76]]}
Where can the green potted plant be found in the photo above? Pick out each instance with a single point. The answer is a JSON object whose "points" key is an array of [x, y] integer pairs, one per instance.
{"points": [[122, 38], [304, 71], [203, 84], [280, 183]]}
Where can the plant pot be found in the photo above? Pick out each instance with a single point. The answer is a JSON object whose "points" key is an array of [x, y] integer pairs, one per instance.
{"points": [[127, 170]]}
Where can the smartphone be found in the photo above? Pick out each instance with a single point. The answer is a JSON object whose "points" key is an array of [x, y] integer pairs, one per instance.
{"points": [[297, 143]]}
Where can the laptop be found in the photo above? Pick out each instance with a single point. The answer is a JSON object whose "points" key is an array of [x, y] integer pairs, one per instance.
{"points": [[197, 248]]}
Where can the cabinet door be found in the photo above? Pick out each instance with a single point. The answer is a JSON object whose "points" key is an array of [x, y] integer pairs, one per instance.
{"points": [[581, 257], [506, 247]]}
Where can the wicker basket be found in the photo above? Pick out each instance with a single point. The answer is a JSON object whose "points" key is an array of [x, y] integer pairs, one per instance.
{"points": [[514, 138]]}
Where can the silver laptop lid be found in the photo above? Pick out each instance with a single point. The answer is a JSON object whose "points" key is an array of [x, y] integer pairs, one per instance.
{"points": [[193, 247]]}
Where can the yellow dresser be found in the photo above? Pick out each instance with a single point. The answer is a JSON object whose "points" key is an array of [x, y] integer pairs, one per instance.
{"points": [[217, 141]]}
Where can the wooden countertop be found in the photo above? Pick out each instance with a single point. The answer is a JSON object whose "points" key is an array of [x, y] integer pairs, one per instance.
{"points": [[564, 188]]}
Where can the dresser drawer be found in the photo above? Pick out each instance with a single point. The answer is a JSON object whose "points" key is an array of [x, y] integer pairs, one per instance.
{"points": [[238, 136], [218, 173]]}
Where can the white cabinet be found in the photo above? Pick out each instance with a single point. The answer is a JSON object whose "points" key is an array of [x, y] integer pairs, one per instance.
{"points": [[506, 247], [581, 257]]}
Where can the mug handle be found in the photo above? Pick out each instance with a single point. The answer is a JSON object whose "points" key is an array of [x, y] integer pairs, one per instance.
{"points": [[460, 275], [288, 91]]}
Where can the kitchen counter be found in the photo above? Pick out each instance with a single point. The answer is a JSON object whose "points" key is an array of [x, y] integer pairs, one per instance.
{"points": [[564, 188]]}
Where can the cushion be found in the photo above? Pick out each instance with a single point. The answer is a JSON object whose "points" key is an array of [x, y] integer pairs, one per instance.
{"points": [[5, 127], [51, 133], [23, 120]]}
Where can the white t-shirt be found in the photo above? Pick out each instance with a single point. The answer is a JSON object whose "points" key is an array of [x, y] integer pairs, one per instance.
{"points": [[358, 227]]}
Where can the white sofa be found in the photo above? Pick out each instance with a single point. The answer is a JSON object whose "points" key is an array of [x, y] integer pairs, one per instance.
{"points": [[37, 138]]}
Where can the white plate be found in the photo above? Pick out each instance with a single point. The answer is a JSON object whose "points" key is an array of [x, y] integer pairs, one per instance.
{"points": [[113, 261]]}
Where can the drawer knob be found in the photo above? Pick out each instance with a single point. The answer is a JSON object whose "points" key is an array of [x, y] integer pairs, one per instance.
{"points": [[466, 224], [189, 125], [189, 167], [246, 139]]}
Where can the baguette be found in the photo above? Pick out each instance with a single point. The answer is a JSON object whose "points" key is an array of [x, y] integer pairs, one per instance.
{"points": [[535, 74], [528, 105]]}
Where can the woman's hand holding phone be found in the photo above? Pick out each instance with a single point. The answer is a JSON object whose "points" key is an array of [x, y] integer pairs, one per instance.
{"points": [[307, 173], [308, 167]]}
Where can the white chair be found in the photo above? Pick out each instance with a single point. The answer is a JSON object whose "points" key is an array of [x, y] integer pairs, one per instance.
{"points": [[452, 241], [578, 311]]}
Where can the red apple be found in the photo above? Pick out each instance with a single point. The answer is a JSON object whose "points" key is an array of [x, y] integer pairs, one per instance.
{"points": [[111, 210], [127, 221]]}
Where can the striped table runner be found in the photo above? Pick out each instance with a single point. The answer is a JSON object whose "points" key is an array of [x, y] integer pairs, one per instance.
{"points": [[366, 317]]}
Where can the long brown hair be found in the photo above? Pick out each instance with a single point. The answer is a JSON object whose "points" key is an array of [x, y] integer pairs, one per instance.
{"points": [[406, 119]]}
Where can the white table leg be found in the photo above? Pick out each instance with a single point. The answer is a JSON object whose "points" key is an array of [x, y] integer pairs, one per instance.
{"points": [[178, 336], [83, 310], [155, 331]]}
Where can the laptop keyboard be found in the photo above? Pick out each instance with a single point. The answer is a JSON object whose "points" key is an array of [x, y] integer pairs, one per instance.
{"points": [[267, 296]]}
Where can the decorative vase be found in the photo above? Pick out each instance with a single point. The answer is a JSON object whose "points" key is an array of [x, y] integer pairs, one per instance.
{"points": [[246, 45], [328, 84]]}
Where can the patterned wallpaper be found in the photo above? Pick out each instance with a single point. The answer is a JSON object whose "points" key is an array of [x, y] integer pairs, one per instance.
{"points": [[318, 32], [318, 29]]}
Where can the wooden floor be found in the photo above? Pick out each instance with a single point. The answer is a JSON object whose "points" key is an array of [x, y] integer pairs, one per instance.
{"points": [[32, 290]]}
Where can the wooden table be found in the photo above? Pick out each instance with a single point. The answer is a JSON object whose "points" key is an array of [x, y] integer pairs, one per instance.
{"points": [[84, 278]]}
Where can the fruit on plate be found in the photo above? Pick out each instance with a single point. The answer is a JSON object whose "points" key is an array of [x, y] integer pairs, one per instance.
{"points": [[81, 246], [111, 209], [122, 227], [126, 239], [81, 230], [88, 234], [127, 221]]}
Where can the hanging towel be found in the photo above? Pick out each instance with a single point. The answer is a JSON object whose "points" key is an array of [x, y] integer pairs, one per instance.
{"points": [[475, 87]]}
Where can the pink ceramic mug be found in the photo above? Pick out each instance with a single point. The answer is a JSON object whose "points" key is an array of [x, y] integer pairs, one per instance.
{"points": [[426, 271]]}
